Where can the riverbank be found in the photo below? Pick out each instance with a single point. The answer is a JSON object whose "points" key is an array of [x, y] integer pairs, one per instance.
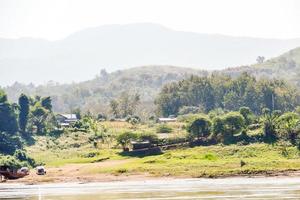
{"points": [[34, 179], [163, 188], [60, 175], [147, 168]]}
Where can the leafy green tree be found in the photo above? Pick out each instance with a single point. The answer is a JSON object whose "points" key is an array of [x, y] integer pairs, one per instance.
{"points": [[39, 116], [218, 125], [218, 91], [77, 112], [125, 105], [199, 127], [24, 112], [148, 136], [270, 123], [289, 126], [231, 101], [9, 143], [8, 119], [9, 140], [125, 138], [233, 123], [114, 105], [247, 114], [164, 128], [189, 110], [46, 102]]}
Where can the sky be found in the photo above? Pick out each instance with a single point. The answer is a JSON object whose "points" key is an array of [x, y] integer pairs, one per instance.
{"points": [[56, 19]]}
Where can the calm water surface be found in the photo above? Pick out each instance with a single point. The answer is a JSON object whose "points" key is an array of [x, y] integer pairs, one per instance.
{"points": [[228, 188]]}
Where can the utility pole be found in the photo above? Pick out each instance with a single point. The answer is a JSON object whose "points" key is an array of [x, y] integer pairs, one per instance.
{"points": [[273, 102]]}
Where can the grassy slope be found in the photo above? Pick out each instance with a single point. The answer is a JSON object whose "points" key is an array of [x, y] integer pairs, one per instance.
{"points": [[214, 161], [282, 60], [187, 162]]}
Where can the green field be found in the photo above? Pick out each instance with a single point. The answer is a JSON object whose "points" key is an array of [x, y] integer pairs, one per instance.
{"points": [[202, 161]]}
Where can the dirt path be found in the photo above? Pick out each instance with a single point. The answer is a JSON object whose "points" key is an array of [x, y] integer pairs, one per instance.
{"points": [[80, 173]]}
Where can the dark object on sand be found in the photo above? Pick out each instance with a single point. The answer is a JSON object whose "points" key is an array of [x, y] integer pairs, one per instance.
{"points": [[40, 170], [10, 173]]}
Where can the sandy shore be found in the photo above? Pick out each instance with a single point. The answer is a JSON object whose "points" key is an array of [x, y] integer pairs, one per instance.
{"points": [[82, 173]]}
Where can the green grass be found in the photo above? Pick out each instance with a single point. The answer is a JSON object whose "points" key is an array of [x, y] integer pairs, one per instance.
{"points": [[213, 161], [208, 161], [73, 156]]}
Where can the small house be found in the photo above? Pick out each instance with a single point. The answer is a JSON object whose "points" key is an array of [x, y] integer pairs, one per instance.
{"points": [[167, 119], [66, 120]]}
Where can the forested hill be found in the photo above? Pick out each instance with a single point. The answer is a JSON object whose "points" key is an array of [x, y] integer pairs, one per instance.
{"points": [[95, 94], [286, 66]]}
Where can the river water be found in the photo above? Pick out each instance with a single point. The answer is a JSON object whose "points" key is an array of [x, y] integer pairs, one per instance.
{"points": [[227, 188]]}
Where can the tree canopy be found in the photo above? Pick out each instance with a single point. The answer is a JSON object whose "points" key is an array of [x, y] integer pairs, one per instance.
{"points": [[219, 91]]}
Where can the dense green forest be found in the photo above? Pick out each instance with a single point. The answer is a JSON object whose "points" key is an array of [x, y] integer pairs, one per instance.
{"points": [[18, 124], [217, 91]]}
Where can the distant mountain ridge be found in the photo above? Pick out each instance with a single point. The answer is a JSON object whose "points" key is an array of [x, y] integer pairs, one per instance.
{"points": [[116, 47]]}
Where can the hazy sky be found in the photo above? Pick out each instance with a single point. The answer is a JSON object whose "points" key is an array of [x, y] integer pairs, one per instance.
{"points": [[55, 19]]}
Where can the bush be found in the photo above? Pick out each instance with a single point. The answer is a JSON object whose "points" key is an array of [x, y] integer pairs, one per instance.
{"points": [[164, 128], [101, 117], [188, 118], [11, 161], [147, 136], [91, 154], [125, 138], [199, 127], [172, 140], [8, 143], [133, 119], [22, 156], [189, 110]]}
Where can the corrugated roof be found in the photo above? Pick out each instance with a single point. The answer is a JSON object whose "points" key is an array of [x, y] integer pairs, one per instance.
{"points": [[69, 116]]}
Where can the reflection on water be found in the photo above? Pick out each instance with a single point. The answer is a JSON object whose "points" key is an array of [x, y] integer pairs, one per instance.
{"points": [[229, 188]]}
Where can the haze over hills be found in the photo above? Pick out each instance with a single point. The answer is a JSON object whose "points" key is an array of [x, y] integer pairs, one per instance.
{"points": [[285, 66], [115, 47], [95, 94]]}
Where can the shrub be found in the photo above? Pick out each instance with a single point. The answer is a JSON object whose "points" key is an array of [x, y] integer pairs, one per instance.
{"points": [[22, 156], [199, 127], [247, 114], [189, 110], [172, 140], [8, 143], [133, 119], [91, 154], [101, 117], [164, 128], [11, 161], [228, 126], [148, 136], [125, 138]]}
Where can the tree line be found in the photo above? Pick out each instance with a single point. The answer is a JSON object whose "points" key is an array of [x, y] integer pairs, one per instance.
{"points": [[220, 91], [236, 126], [18, 121]]}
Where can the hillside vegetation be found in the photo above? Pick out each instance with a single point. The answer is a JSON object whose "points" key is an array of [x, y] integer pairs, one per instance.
{"points": [[94, 95], [285, 67], [200, 143]]}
